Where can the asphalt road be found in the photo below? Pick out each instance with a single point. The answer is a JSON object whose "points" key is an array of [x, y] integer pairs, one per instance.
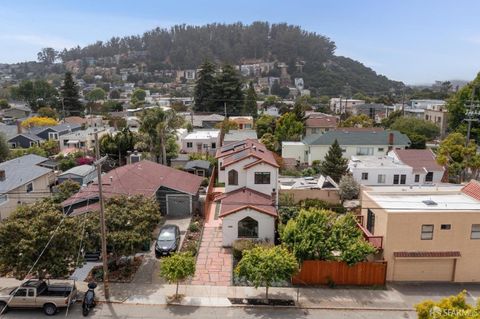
{"points": [[122, 311]]}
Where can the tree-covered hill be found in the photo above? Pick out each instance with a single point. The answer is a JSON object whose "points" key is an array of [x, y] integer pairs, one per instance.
{"points": [[184, 46]]}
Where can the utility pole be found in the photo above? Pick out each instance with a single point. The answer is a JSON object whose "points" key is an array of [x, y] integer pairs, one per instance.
{"points": [[471, 113], [225, 108], [98, 164]]}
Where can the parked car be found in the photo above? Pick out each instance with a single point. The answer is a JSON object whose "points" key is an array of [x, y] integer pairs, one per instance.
{"points": [[168, 240], [39, 294]]}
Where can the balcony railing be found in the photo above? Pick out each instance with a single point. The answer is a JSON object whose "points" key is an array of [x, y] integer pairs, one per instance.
{"points": [[375, 241]]}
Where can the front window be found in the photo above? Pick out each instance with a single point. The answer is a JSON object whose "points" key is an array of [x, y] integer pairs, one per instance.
{"points": [[417, 178], [427, 232], [396, 179], [248, 228], [380, 149], [29, 187], [3, 198], [205, 146], [189, 144], [364, 150], [214, 145], [232, 177], [371, 221], [429, 177], [403, 179], [364, 176], [262, 178], [381, 178], [314, 130], [475, 231]]}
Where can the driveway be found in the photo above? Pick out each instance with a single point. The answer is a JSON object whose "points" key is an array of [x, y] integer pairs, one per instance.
{"points": [[149, 273]]}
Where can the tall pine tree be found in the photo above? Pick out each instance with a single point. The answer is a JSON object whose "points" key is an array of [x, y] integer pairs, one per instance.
{"points": [[70, 96], [204, 89], [250, 106], [228, 89], [334, 164]]}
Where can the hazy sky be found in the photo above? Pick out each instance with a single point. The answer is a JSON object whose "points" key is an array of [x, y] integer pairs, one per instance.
{"points": [[415, 41]]}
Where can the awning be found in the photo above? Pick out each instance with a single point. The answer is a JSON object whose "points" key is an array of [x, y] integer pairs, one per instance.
{"points": [[426, 254]]}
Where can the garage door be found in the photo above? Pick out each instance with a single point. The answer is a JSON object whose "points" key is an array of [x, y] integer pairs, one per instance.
{"points": [[423, 270], [178, 205]]}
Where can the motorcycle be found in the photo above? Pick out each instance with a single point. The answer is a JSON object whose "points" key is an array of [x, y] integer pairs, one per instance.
{"points": [[89, 299]]}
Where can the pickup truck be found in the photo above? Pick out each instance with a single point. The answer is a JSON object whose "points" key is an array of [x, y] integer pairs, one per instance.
{"points": [[38, 294]]}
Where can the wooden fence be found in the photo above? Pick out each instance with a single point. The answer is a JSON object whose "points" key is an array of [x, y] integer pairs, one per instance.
{"points": [[210, 193], [318, 272]]}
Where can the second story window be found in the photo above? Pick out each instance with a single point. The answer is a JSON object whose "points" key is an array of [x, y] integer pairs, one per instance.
{"points": [[475, 231], [427, 232], [232, 177], [262, 178]]}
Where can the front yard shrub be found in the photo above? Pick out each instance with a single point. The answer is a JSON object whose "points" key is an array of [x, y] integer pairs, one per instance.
{"points": [[240, 245], [194, 227], [348, 188]]}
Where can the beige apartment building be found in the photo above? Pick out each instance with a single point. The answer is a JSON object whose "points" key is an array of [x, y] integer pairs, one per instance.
{"points": [[438, 114], [429, 233]]}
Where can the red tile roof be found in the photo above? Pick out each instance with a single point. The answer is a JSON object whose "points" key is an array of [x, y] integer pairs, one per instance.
{"points": [[472, 189], [142, 178], [420, 160], [251, 148], [322, 121], [243, 198], [426, 254]]}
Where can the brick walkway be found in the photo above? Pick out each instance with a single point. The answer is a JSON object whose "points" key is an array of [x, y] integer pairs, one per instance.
{"points": [[214, 263]]}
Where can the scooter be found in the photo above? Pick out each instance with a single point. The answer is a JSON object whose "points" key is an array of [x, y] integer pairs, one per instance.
{"points": [[89, 299]]}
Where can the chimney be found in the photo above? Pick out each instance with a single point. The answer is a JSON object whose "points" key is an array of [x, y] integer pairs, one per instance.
{"points": [[2, 175], [391, 138], [19, 127]]}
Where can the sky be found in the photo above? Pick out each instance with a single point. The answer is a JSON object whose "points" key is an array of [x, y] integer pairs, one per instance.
{"points": [[414, 41]]}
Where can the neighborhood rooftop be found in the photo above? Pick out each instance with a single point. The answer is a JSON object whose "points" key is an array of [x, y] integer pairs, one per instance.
{"points": [[21, 170], [352, 137]]}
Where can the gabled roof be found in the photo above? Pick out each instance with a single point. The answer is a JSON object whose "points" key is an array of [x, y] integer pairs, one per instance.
{"points": [[250, 148], [22, 170], [355, 137], [472, 189], [197, 164], [81, 170], [31, 137], [60, 128], [244, 198], [141, 178], [327, 121], [419, 160]]}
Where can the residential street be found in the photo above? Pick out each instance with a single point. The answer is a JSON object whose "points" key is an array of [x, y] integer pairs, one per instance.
{"points": [[163, 312]]}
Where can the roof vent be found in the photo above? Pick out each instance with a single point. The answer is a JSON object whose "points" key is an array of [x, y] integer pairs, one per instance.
{"points": [[429, 202]]}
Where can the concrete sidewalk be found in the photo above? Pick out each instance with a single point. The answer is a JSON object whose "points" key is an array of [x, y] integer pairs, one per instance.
{"points": [[395, 297]]}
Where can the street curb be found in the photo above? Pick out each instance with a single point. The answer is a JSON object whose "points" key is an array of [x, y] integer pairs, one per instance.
{"points": [[271, 307]]}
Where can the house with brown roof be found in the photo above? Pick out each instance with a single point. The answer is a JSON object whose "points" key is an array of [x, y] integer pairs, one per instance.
{"points": [[177, 192], [426, 233], [398, 167], [248, 206], [318, 123]]}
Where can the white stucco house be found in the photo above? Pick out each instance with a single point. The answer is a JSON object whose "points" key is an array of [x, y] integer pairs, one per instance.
{"points": [[201, 141], [398, 167], [248, 206], [354, 142]]}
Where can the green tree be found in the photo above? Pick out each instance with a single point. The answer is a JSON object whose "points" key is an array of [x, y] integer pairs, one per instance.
{"points": [[458, 157], [51, 147], [114, 94], [4, 104], [265, 124], [4, 149], [228, 89], [157, 125], [177, 267], [456, 105], [318, 234], [250, 105], [36, 93], [26, 233], [226, 125], [348, 188], [269, 140], [391, 118], [264, 266], [65, 190], [360, 120], [130, 221], [117, 122], [97, 94], [18, 152], [278, 90], [47, 111], [452, 307], [288, 128], [334, 164], [138, 96], [117, 146], [418, 130], [204, 95], [47, 55], [70, 96]]}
